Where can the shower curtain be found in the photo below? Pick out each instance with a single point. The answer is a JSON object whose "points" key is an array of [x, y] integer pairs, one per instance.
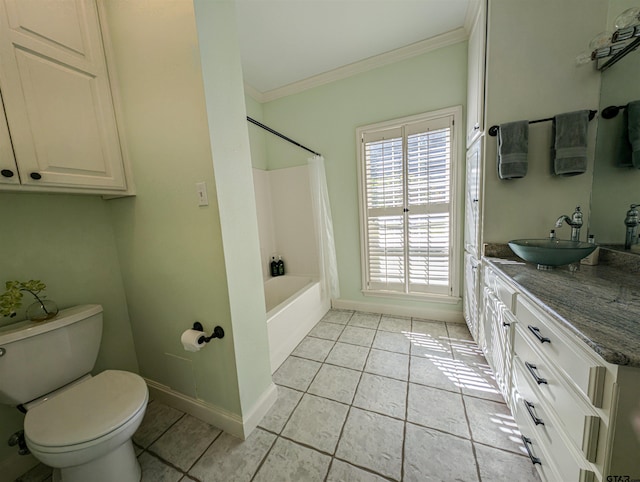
{"points": [[324, 228]]}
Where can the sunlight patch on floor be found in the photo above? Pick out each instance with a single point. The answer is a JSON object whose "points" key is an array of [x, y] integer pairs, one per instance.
{"points": [[470, 374]]}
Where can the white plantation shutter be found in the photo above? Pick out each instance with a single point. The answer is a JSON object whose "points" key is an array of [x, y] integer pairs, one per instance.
{"points": [[406, 185]]}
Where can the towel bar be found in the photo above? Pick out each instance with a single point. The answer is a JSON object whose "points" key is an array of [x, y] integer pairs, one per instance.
{"points": [[493, 130]]}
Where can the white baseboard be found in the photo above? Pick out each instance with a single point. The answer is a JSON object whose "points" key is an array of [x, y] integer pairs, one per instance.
{"points": [[16, 465], [260, 409], [396, 310], [229, 422]]}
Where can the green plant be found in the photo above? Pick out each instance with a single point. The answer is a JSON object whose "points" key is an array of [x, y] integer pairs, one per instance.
{"points": [[11, 299]]}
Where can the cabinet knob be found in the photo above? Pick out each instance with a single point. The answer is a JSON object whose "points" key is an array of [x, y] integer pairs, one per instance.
{"points": [[7, 173], [36, 176]]}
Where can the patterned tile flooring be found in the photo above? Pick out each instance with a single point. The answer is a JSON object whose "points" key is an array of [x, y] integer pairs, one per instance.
{"points": [[364, 397]]}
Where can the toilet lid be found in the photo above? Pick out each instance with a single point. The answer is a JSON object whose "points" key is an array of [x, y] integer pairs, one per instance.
{"points": [[87, 410]]}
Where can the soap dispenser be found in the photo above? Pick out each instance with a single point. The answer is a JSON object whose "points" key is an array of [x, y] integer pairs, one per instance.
{"points": [[280, 266], [274, 266]]}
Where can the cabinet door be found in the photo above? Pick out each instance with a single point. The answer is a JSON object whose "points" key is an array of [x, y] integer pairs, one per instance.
{"points": [[57, 95], [472, 200], [471, 287], [496, 341], [8, 168], [475, 73]]}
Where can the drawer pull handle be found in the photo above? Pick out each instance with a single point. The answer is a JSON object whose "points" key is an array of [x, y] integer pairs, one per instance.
{"points": [[532, 369], [527, 442], [530, 406], [536, 331]]}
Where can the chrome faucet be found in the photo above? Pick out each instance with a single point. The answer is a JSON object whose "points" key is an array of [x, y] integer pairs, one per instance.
{"points": [[575, 221], [631, 221]]}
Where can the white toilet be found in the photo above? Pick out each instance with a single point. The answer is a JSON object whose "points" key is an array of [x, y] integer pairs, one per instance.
{"points": [[79, 424]]}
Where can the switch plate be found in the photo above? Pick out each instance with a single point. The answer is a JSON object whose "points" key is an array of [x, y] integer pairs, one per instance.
{"points": [[201, 190]]}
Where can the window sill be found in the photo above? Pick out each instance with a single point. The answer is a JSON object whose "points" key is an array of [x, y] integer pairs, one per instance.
{"points": [[452, 300]]}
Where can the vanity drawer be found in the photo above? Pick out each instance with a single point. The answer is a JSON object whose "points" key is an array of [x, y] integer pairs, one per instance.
{"points": [[562, 352], [557, 460], [503, 291], [580, 421]]}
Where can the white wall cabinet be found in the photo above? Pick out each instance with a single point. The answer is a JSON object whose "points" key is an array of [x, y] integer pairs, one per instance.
{"points": [[472, 200], [475, 76], [473, 194], [8, 170], [572, 407], [471, 289], [57, 100]]}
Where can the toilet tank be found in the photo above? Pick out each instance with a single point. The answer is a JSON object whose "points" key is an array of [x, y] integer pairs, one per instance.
{"points": [[39, 357]]}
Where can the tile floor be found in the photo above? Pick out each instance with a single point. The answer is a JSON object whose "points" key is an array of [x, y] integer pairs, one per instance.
{"points": [[364, 397]]}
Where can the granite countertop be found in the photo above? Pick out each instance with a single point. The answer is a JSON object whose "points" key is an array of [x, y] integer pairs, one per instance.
{"points": [[600, 304]]}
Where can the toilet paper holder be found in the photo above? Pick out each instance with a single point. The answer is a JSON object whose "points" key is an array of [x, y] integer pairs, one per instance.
{"points": [[218, 332]]}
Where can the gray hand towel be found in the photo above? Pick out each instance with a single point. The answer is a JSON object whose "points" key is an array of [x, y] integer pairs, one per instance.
{"points": [[633, 128], [569, 152], [623, 152], [513, 147]]}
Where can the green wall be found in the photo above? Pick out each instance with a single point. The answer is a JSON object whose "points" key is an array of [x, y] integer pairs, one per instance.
{"points": [[325, 119], [257, 135], [229, 140], [67, 242], [179, 261], [170, 248], [532, 74]]}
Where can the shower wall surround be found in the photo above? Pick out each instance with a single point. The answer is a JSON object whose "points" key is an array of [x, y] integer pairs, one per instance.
{"points": [[285, 220]]}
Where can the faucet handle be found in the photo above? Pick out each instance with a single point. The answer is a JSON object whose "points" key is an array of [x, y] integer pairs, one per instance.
{"points": [[631, 218], [576, 218]]}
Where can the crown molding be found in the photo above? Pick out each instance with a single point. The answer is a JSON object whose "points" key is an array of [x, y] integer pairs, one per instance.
{"points": [[254, 93], [387, 58]]}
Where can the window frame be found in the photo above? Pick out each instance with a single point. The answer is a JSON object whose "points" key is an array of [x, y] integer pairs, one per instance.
{"points": [[456, 216]]}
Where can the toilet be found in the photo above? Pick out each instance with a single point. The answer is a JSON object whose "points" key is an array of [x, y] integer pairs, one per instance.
{"points": [[81, 425]]}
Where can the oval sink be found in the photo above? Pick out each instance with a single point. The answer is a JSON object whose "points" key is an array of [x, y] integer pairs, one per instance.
{"points": [[547, 253]]}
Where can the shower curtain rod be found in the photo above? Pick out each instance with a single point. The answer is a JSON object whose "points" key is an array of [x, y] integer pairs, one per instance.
{"points": [[288, 139]]}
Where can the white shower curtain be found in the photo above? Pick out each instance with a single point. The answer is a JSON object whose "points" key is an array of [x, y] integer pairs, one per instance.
{"points": [[324, 228]]}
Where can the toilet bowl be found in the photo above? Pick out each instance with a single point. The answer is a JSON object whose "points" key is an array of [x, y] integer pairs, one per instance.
{"points": [[78, 424], [85, 431]]}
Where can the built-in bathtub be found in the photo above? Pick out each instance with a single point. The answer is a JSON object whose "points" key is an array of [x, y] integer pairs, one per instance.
{"points": [[294, 305]]}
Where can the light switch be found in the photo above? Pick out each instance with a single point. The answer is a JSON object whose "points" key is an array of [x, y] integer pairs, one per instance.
{"points": [[201, 189]]}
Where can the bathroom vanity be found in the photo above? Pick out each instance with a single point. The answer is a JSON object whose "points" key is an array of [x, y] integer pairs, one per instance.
{"points": [[565, 350]]}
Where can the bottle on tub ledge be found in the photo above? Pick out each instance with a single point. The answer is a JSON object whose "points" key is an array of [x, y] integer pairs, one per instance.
{"points": [[280, 266], [274, 266]]}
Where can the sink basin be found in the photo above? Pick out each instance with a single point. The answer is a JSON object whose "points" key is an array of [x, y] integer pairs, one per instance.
{"points": [[547, 253]]}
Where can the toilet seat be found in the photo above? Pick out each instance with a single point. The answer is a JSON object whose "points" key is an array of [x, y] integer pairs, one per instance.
{"points": [[86, 414]]}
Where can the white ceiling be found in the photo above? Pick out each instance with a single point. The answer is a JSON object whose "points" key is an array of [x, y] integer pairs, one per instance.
{"points": [[286, 41]]}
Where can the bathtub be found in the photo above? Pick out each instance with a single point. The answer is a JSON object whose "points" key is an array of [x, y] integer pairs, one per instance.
{"points": [[294, 305]]}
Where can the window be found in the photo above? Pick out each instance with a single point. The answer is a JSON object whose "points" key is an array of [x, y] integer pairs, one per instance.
{"points": [[407, 192]]}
